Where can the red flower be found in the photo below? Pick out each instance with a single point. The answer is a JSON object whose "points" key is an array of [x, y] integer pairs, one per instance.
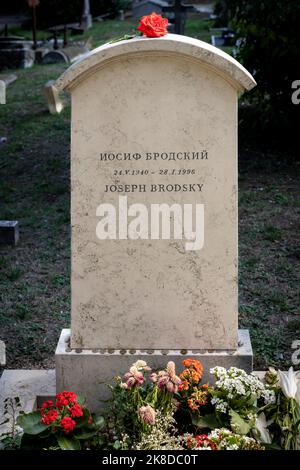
{"points": [[76, 411], [64, 398], [68, 424], [49, 417], [204, 441], [47, 404], [153, 26], [199, 442]]}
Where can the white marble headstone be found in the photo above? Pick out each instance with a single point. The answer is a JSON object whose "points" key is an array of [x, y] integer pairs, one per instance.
{"points": [[154, 121]]}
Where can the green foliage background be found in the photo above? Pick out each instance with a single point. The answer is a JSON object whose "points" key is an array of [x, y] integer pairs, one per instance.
{"points": [[54, 12], [269, 49]]}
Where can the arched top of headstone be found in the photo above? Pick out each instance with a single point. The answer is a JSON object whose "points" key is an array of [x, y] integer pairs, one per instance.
{"points": [[171, 44]]}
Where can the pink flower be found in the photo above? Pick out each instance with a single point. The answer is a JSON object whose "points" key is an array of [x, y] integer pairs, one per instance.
{"points": [[147, 414], [167, 378], [139, 377], [153, 377], [171, 369], [141, 366], [134, 377], [131, 382], [170, 387], [163, 380]]}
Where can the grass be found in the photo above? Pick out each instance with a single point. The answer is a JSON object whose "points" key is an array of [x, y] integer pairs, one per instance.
{"points": [[109, 30], [269, 255], [34, 166], [34, 189]]}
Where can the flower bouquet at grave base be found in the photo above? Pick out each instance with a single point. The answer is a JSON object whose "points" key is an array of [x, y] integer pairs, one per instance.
{"points": [[160, 410], [235, 401], [268, 410], [65, 424], [137, 398]]}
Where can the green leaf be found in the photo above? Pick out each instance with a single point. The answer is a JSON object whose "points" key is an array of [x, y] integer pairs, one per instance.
{"points": [[99, 421], [45, 434], [272, 446], [31, 423], [207, 421], [251, 400], [117, 445], [83, 420], [68, 443], [238, 424], [80, 400], [84, 434]]}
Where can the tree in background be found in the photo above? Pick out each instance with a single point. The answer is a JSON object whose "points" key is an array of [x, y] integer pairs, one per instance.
{"points": [[111, 7], [54, 12], [269, 49]]}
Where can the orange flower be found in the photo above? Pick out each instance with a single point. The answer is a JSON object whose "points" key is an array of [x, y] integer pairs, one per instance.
{"points": [[191, 375], [184, 385], [196, 377], [193, 364], [198, 398]]}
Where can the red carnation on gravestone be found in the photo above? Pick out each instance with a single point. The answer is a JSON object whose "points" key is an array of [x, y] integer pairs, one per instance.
{"points": [[153, 26]]}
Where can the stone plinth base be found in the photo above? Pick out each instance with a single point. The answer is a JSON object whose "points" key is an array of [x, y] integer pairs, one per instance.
{"points": [[88, 371], [32, 387]]}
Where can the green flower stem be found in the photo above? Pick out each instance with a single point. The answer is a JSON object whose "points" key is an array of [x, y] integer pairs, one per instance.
{"points": [[126, 37]]}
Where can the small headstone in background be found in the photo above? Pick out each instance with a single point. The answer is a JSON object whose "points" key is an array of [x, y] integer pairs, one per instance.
{"points": [[76, 51], [9, 232], [217, 41], [5, 80], [2, 354], [40, 53], [55, 57], [8, 78], [55, 104], [142, 8], [2, 92], [121, 15], [15, 53], [65, 55]]}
